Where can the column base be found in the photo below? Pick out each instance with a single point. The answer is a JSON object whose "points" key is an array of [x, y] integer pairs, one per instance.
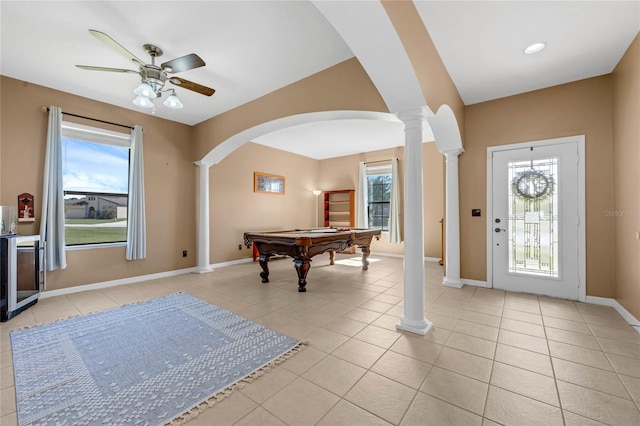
{"points": [[417, 327], [203, 270], [453, 283]]}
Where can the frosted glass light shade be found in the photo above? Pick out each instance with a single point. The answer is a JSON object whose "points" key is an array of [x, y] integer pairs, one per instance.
{"points": [[145, 90], [143, 102], [173, 102]]}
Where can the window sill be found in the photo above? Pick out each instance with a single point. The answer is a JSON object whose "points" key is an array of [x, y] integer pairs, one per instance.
{"points": [[94, 246]]}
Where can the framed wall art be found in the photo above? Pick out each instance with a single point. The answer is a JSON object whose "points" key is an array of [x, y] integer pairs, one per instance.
{"points": [[268, 183]]}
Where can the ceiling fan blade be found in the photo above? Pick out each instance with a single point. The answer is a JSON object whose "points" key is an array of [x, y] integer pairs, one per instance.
{"points": [[190, 85], [92, 68], [184, 63], [116, 46]]}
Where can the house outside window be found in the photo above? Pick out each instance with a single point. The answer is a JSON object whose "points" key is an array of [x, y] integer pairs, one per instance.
{"points": [[95, 177], [379, 184]]}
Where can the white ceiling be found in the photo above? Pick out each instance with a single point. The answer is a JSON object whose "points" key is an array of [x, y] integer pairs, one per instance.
{"points": [[250, 48], [255, 47], [337, 138], [481, 42]]}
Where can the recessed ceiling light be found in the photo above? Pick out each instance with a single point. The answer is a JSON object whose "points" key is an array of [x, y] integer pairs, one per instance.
{"points": [[534, 48]]}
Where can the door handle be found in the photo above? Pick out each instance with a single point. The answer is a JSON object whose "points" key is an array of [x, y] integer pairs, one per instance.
{"points": [[498, 230]]}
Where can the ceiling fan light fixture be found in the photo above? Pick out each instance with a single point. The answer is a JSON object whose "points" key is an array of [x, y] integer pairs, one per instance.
{"points": [[142, 101], [534, 48], [173, 102], [145, 90], [153, 77]]}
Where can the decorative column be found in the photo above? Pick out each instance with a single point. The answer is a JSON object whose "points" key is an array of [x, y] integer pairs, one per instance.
{"points": [[452, 221], [203, 219], [413, 319]]}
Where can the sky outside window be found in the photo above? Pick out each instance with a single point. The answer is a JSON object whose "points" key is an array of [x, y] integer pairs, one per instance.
{"points": [[94, 167]]}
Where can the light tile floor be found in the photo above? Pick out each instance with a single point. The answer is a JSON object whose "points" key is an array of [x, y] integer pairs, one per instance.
{"points": [[492, 357]]}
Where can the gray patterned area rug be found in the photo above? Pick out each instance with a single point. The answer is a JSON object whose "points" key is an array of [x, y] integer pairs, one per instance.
{"points": [[141, 364]]}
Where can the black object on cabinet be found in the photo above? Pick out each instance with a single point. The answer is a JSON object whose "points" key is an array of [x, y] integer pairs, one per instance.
{"points": [[21, 273]]}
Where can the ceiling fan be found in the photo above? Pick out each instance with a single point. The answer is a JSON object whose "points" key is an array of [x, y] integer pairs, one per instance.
{"points": [[155, 76]]}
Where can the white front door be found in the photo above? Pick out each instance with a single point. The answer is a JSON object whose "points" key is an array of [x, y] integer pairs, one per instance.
{"points": [[535, 225]]}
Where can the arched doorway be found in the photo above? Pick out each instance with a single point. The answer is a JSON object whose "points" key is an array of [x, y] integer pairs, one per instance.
{"points": [[234, 142]]}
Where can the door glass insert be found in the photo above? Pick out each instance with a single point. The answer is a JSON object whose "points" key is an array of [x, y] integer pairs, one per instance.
{"points": [[533, 217]]}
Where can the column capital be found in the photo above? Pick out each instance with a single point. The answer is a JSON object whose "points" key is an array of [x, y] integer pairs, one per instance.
{"points": [[413, 117], [201, 163], [452, 154]]}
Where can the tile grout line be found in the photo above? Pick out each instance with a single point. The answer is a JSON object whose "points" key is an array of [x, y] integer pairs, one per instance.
{"points": [[553, 370], [486, 399]]}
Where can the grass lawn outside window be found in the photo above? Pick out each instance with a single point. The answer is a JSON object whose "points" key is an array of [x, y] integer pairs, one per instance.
{"points": [[94, 231]]}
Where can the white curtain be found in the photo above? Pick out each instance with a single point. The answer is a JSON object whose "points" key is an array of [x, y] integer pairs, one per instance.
{"points": [[395, 234], [136, 227], [362, 219], [52, 222]]}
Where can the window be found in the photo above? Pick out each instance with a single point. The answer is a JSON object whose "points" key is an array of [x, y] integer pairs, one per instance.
{"points": [[379, 195], [95, 175]]}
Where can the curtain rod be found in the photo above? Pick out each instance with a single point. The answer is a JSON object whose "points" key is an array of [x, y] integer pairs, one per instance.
{"points": [[46, 109], [379, 161]]}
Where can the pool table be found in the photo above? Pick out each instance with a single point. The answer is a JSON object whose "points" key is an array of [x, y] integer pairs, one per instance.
{"points": [[303, 244]]}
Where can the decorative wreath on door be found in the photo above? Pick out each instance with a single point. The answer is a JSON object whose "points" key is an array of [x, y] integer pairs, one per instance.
{"points": [[532, 185]]}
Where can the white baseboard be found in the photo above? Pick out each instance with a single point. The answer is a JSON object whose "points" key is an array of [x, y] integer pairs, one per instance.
{"points": [[400, 256], [396, 255], [605, 301], [113, 283], [231, 262], [474, 283], [137, 279]]}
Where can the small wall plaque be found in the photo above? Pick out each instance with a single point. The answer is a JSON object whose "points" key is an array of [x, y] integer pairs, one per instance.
{"points": [[25, 208]]}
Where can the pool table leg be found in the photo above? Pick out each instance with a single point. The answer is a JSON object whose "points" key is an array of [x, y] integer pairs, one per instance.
{"points": [[365, 254], [264, 263], [302, 268], [332, 257]]}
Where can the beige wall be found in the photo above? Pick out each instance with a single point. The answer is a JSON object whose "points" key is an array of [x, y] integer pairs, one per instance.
{"points": [[626, 160], [236, 208], [582, 107], [345, 86], [169, 181], [342, 173]]}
